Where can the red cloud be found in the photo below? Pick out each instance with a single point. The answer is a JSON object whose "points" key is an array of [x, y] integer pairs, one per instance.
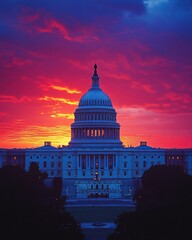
{"points": [[20, 62], [52, 25]]}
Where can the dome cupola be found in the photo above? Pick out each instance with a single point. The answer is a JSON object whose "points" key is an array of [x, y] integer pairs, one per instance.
{"points": [[95, 119], [95, 96]]}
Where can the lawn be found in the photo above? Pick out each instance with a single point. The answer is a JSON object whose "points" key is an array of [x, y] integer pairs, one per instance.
{"points": [[97, 213]]}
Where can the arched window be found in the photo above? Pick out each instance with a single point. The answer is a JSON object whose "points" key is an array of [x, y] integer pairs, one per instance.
{"points": [[52, 164], [144, 164]]}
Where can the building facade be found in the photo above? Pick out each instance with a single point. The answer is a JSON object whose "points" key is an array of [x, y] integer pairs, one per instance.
{"points": [[95, 164]]}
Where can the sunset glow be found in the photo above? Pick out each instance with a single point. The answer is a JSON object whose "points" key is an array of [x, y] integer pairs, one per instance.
{"points": [[143, 50]]}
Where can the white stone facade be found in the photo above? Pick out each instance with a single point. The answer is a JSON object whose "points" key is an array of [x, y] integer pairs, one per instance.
{"points": [[95, 164]]}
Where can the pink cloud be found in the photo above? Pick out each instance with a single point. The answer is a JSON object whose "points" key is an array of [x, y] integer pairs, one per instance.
{"points": [[20, 62], [52, 25]]}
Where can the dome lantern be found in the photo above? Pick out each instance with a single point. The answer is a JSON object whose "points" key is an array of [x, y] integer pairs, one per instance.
{"points": [[95, 78]]}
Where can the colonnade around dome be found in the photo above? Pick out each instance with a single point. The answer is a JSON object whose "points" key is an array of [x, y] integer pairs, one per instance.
{"points": [[110, 133]]}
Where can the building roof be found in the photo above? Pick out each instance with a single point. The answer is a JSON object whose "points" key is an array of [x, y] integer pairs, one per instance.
{"points": [[95, 97]]}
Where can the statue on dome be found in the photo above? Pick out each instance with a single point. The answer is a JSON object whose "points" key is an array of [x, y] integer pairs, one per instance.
{"points": [[95, 67]]}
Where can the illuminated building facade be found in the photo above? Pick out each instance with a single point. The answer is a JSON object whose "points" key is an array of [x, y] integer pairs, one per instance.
{"points": [[95, 163]]}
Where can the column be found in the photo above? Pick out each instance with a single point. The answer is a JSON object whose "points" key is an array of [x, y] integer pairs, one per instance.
{"points": [[105, 161], [79, 163]]}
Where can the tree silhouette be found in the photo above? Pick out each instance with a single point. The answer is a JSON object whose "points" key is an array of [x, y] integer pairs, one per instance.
{"points": [[163, 210], [28, 209], [34, 172]]}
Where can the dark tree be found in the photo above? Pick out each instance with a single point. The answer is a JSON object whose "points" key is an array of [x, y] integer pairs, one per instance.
{"points": [[57, 186], [163, 210], [56, 193], [28, 210], [35, 173], [162, 185]]}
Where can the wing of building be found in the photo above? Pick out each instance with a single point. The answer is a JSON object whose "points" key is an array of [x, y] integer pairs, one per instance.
{"points": [[95, 164]]}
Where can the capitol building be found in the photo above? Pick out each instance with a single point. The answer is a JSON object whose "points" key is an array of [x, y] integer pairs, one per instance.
{"points": [[96, 164]]}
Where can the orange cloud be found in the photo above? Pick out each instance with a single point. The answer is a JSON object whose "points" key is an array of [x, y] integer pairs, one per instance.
{"points": [[34, 135], [70, 91], [62, 115], [64, 100]]}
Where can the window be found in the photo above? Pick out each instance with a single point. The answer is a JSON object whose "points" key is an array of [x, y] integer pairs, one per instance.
{"points": [[102, 162], [110, 173], [110, 165], [125, 164], [69, 173], [136, 164], [125, 173], [96, 165], [136, 173], [59, 164], [83, 173], [52, 157], [110, 162], [69, 164], [136, 156], [83, 163], [52, 164], [91, 161], [52, 173], [144, 164], [44, 164]]}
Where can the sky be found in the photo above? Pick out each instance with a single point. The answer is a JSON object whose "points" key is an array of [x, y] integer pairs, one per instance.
{"points": [[143, 50]]}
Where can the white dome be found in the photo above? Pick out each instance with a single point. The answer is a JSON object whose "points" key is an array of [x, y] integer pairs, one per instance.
{"points": [[95, 119], [95, 98]]}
